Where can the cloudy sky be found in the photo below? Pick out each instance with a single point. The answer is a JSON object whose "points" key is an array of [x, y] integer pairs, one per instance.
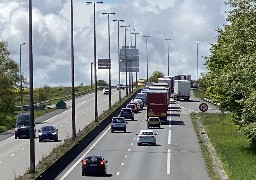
{"points": [[184, 21]]}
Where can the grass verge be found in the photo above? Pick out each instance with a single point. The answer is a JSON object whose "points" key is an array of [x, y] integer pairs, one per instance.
{"points": [[233, 149]]}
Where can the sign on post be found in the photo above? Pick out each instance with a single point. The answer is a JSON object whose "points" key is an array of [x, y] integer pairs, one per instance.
{"points": [[203, 107], [131, 55], [104, 63]]}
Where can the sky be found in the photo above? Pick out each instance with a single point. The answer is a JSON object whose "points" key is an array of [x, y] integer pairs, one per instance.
{"points": [[183, 21]]}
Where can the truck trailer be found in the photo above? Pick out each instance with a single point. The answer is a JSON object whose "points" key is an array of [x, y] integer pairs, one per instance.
{"points": [[182, 89], [157, 104]]}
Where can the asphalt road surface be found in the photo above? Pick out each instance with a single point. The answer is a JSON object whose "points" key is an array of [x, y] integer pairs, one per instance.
{"points": [[176, 156], [15, 155]]}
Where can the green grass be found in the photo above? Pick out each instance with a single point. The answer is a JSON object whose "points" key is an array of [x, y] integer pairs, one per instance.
{"points": [[232, 147]]}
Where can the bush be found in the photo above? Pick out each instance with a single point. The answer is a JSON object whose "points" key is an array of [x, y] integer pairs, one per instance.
{"points": [[3, 129], [250, 133]]}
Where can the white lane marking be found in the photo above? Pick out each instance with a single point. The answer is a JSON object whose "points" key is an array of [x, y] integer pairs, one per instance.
{"points": [[169, 137], [122, 164], [12, 155], [66, 122], [22, 148], [79, 160], [134, 139], [1, 162], [129, 149], [61, 125], [117, 173], [170, 123], [169, 162], [125, 156], [10, 137], [131, 144]]}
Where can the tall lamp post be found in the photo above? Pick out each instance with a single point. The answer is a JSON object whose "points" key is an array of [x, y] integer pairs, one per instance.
{"points": [[135, 34], [118, 55], [21, 91], [147, 52], [125, 29], [95, 70], [168, 55], [109, 70], [197, 43], [31, 94]]}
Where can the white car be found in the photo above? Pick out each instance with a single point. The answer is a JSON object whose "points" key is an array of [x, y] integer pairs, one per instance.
{"points": [[118, 124], [106, 91], [146, 136], [140, 102]]}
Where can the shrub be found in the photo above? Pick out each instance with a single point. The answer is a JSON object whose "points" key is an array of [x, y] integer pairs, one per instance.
{"points": [[3, 129], [250, 133]]}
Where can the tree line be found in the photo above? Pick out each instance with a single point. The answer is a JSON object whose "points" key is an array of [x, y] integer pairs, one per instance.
{"points": [[231, 76]]}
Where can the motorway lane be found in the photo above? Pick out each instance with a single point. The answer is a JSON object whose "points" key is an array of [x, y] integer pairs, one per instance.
{"points": [[14, 156], [176, 156]]}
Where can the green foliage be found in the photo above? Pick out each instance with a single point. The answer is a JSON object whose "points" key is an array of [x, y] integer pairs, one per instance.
{"points": [[8, 82], [102, 83], [43, 93], [154, 77], [232, 63], [250, 133]]}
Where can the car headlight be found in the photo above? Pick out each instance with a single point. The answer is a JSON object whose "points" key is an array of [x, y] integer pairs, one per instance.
{"points": [[54, 133], [40, 134]]}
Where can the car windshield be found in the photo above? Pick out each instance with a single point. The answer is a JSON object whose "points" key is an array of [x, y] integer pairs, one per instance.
{"points": [[23, 123], [47, 128], [153, 119], [147, 133], [118, 120], [23, 117], [93, 159], [126, 110]]}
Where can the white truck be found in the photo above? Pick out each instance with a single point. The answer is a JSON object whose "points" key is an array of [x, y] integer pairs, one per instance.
{"points": [[182, 89]]}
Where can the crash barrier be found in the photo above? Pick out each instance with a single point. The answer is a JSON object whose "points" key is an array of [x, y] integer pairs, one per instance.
{"points": [[59, 165]]}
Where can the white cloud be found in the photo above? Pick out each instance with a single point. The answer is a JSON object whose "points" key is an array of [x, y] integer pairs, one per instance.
{"points": [[184, 21]]}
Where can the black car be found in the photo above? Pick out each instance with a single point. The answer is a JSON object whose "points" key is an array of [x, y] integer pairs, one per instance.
{"points": [[127, 113], [121, 86], [94, 164], [48, 133], [22, 126]]}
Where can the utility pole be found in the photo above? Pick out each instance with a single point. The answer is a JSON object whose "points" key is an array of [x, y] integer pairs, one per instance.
{"points": [[118, 54], [21, 89], [168, 55], [135, 34], [197, 43]]}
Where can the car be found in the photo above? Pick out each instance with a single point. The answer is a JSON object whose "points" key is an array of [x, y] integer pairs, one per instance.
{"points": [[139, 100], [147, 137], [106, 90], [143, 96], [22, 126], [121, 86], [133, 107], [118, 124], [48, 132], [94, 164], [137, 105], [154, 122], [127, 113]]}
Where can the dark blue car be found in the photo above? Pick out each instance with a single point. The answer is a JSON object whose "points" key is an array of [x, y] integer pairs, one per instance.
{"points": [[48, 133]]}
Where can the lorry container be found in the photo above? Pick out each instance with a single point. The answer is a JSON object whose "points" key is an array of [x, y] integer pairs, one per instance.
{"points": [[182, 89], [157, 104]]}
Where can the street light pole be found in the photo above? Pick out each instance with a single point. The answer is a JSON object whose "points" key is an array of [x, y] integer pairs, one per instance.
{"points": [[95, 70], [118, 20], [168, 55], [197, 43], [135, 34], [109, 70], [147, 52], [21, 92], [73, 116], [31, 95], [126, 88]]}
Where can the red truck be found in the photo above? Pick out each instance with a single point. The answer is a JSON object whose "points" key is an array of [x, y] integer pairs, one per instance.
{"points": [[157, 101]]}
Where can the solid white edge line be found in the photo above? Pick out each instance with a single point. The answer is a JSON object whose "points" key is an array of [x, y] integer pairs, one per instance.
{"points": [[80, 159], [169, 137], [169, 162]]}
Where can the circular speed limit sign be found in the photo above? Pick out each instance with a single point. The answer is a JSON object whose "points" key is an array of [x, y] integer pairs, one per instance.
{"points": [[203, 107]]}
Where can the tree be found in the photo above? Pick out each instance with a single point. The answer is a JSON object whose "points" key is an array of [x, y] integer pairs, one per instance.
{"points": [[102, 83], [9, 80], [154, 77]]}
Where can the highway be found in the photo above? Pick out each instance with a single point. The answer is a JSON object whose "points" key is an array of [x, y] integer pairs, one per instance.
{"points": [[176, 156], [14, 156]]}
